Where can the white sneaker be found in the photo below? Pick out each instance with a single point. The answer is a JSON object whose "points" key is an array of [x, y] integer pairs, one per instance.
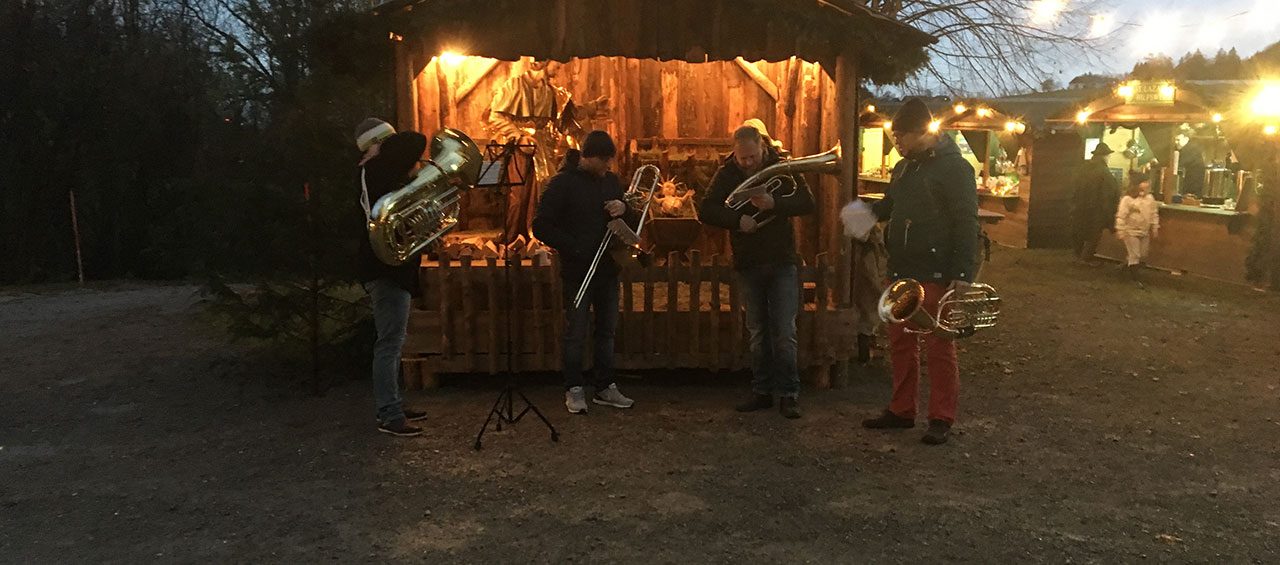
{"points": [[575, 399], [612, 397]]}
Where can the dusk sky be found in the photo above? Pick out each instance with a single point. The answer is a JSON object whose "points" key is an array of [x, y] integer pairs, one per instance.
{"points": [[1175, 27]]}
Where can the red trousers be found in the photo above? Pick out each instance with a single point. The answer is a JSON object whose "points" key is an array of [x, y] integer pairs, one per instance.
{"points": [[944, 371]]}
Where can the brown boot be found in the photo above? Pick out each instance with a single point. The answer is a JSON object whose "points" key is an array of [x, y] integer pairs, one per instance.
{"points": [[756, 402], [888, 420]]}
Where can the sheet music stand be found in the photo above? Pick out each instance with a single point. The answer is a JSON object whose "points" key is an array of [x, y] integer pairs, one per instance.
{"points": [[493, 174]]}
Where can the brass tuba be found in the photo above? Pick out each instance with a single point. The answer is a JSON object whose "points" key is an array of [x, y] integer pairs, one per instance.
{"points": [[776, 180], [406, 220], [959, 314]]}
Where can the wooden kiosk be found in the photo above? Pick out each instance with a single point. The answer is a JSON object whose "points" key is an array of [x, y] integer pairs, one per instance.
{"points": [[680, 75], [1208, 236]]}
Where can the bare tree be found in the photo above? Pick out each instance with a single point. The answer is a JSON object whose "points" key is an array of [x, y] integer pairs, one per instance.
{"points": [[999, 46]]}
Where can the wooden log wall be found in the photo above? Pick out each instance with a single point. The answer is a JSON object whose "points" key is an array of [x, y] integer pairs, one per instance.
{"points": [[649, 98]]}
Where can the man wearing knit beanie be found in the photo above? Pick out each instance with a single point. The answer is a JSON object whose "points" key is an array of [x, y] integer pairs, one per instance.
{"points": [[932, 236], [572, 218]]}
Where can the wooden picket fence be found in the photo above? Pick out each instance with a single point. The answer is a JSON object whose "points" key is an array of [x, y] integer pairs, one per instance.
{"points": [[684, 312]]}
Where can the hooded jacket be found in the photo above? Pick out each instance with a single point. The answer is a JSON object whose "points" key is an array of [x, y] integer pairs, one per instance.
{"points": [[773, 243], [932, 208], [571, 219], [385, 173]]}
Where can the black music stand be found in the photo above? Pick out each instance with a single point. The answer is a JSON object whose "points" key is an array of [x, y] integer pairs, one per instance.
{"points": [[493, 174]]}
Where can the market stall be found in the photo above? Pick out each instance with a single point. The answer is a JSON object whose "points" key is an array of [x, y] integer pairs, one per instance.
{"points": [[1174, 137], [671, 92]]}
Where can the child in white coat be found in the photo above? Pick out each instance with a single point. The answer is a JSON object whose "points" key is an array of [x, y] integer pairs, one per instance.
{"points": [[1137, 223]]}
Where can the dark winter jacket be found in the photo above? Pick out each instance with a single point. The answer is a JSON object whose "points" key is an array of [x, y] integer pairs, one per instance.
{"points": [[772, 243], [1093, 204], [571, 219], [387, 172], [932, 208]]}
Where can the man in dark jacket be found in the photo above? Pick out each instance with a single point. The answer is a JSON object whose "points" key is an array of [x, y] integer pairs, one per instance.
{"points": [[579, 202], [1093, 204], [932, 236], [390, 158], [765, 259]]}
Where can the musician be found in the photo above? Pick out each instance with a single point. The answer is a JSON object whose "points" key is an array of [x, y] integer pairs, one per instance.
{"points": [[572, 216], [765, 260], [389, 160], [931, 205]]}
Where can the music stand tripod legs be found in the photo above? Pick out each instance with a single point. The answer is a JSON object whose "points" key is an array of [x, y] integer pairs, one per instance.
{"points": [[503, 409]]}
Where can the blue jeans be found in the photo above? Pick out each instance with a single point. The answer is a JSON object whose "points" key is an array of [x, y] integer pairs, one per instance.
{"points": [[772, 300], [602, 297], [391, 318]]}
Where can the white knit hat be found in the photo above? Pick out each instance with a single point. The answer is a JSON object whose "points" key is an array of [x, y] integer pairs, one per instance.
{"points": [[372, 131]]}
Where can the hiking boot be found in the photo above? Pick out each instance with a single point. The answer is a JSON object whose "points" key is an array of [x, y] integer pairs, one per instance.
{"points": [[399, 428], [612, 397], [888, 420], [864, 348], [756, 402], [414, 415], [575, 399], [938, 432], [789, 407]]}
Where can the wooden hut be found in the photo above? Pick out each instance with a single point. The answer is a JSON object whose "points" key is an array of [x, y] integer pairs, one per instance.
{"points": [[680, 75]]}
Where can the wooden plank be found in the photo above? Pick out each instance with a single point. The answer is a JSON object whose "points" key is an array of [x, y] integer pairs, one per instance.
{"points": [[846, 92], [626, 333], [466, 282], [446, 309], [670, 100], [405, 93], [497, 316], [537, 285], [757, 77], [672, 340], [474, 80], [819, 346], [696, 357], [735, 307], [648, 346], [716, 356]]}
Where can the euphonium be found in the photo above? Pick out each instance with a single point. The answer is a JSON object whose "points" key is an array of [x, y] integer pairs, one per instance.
{"points": [[406, 220], [776, 179], [959, 314]]}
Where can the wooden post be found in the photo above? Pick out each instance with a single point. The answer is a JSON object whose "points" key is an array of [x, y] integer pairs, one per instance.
{"points": [[847, 115]]}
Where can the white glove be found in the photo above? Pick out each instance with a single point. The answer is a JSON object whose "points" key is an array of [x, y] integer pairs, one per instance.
{"points": [[858, 219]]}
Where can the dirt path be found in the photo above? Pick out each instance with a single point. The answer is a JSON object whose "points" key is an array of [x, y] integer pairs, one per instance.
{"points": [[1099, 423]]}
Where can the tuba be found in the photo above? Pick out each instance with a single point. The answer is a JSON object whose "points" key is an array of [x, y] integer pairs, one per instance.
{"points": [[959, 314], [776, 180], [406, 220]]}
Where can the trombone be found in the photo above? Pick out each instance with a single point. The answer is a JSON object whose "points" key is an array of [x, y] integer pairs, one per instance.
{"points": [[635, 197]]}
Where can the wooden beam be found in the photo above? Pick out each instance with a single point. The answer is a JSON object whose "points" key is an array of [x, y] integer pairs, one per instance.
{"points": [[475, 79], [758, 77], [847, 119]]}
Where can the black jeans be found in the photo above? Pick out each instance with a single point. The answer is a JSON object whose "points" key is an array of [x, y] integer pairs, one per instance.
{"points": [[602, 297]]}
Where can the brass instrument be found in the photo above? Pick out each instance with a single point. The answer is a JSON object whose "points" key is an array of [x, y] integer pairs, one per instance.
{"points": [[776, 180], [635, 197], [405, 221], [959, 314]]}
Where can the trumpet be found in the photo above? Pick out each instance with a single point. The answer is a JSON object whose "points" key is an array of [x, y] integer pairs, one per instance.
{"points": [[777, 180], [635, 197], [959, 314]]}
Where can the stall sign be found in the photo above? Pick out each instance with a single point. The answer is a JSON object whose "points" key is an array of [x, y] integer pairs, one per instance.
{"points": [[1152, 94]]}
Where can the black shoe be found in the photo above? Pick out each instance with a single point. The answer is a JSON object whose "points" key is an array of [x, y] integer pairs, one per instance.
{"points": [[414, 415], [888, 420], [864, 348], [757, 402], [938, 432], [399, 428], [788, 407]]}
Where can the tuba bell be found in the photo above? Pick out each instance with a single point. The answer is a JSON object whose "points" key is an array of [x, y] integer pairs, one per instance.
{"points": [[405, 221], [959, 314], [776, 180]]}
